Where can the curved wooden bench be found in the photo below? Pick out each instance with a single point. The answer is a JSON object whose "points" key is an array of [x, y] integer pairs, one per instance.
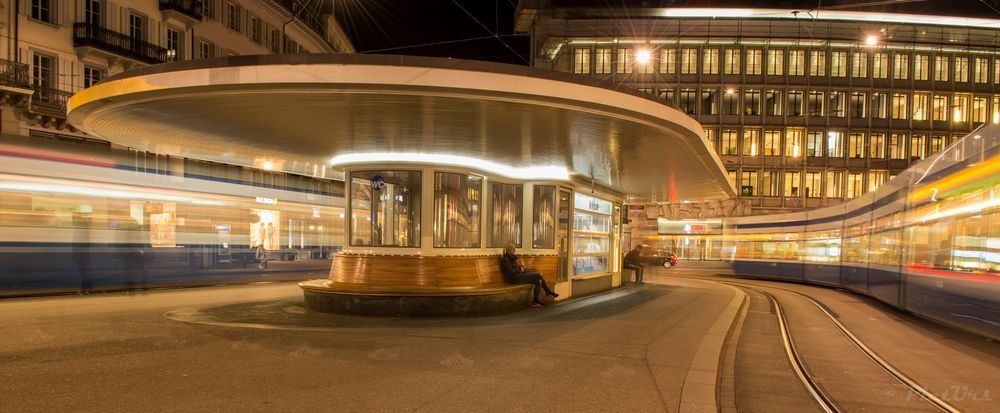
{"points": [[389, 285]]}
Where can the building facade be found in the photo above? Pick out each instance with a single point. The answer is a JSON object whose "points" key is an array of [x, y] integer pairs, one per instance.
{"points": [[805, 108], [54, 48]]}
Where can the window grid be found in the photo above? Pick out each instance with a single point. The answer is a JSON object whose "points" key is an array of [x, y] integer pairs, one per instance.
{"points": [[838, 64], [817, 63], [775, 62]]}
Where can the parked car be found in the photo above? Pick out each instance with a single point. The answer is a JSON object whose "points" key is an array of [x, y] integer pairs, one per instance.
{"points": [[649, 255]]}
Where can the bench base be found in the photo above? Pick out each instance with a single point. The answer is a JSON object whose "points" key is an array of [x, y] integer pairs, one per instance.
{"points": [[321, 295]]}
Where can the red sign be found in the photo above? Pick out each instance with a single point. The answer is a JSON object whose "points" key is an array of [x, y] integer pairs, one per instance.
{"points": [[636, 207]]}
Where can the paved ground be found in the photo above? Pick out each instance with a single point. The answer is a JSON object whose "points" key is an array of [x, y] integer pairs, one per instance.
{"points": [[256, 348]]}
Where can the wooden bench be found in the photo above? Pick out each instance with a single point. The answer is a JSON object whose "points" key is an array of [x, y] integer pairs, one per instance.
{"points": [[422, 285]]}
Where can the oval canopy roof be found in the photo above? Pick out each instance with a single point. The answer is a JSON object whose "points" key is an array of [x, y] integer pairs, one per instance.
{"points": [[300, 113]]}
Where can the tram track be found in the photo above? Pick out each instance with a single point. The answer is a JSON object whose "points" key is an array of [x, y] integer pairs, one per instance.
{"points": [[821, 396]]}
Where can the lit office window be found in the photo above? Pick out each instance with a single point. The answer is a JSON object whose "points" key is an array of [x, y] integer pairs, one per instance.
{"points": [[710, 101], [876, 146], [754, 61], [710, 62], [731, 66], [712, 135], [896, 146], [668, 96], [962, 69], [772, 142], [793, 142], [921, 106], [814, 144], [880, 106], [917, 146], [751, 142], [835, 144], [730, 139], [769, 183], [814, 184], [647, 67], [876, 179], [960, 108], [939, 108], [859, 64], [838, 64], [689, 61], [838, 104], [979, 109], [859, 102], [835, 184], [941, 68], [814, 103], [982, 70], [900, 66], [899, 110], [996, 70], [688, 101], [775, 62], [773, 103], [751, 102], [748, 183], [996, 109], [581, 61], [817, 63], [602, 58], [880, 65], [920, 67], [731, 175], [668, 61], [937, 143], [624, 64], [856, 145], [796, 62], [795, 98], [855, 184], [731, 102], [793, 184]]}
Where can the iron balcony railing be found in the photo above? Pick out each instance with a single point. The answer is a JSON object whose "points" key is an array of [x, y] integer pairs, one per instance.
{"points": [[49, 101], [311, 19], [191, 8], [14, 74], [87, 34]]}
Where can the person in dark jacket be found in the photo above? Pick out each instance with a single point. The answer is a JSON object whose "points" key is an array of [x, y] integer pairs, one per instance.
{"points": [[631, 262], [515, 273]]}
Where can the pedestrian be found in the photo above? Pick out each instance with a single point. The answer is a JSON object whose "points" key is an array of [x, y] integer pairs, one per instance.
{"points": [[631, 262], [515, 273]]}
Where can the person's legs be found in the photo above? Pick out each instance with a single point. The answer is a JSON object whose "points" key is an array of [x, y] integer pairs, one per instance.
{"points": [[531, 277], [638, 272]]}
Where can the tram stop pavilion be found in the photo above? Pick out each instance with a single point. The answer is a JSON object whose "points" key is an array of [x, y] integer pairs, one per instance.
{"points": [[444, 162]]}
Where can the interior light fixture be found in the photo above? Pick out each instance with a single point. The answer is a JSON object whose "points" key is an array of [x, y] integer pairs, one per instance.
{"points": [[642, 56], [527, 173]]}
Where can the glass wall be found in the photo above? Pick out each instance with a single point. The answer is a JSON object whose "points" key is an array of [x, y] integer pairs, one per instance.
{"points": [[505, 218], [385, 208], [457, 206], [591, 235], [543, 214]]}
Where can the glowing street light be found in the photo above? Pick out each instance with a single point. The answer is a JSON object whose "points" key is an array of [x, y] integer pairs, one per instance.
{"points": [[642, 56], [871, 40]]}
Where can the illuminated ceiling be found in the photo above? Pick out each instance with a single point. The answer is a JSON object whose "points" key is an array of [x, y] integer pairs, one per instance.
{"points": [[298, 113]]}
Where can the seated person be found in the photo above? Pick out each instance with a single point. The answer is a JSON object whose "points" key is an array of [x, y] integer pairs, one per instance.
{"points": [[514, 273], [631, 262]]}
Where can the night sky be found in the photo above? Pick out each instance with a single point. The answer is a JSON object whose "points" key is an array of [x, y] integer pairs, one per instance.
{"points": [[484, 30]]}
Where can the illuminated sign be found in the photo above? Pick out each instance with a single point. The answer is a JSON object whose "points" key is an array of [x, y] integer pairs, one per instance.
{"points": [[266, 200]]}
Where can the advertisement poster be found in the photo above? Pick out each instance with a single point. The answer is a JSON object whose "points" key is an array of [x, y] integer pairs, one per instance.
{"points": [[267, 230], [163, 227]]}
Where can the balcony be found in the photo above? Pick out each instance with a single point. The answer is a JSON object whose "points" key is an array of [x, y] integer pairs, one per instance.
{"points": [[49, 101], [14, 75], [86, 35], [310, 18], [187, 12]]}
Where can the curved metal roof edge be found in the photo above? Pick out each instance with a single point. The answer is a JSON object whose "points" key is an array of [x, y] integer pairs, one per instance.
{"points": [[380, 59]]}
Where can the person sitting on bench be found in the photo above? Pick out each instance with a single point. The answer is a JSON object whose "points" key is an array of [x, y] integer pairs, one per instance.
{"points": [[515, 273]]}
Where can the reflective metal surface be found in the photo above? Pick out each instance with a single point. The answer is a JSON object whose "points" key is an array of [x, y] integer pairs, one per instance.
{"points": [[296, 117]]}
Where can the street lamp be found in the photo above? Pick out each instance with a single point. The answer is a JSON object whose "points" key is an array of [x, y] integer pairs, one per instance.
{"points": [[871, 40], [642, 56]]}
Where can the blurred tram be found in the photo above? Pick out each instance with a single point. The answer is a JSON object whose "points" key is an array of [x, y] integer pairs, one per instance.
{"points": [[928, 241], [94, 217]]}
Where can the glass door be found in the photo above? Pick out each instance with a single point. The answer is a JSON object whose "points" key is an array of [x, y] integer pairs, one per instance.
{"points": [[563, 234]]}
